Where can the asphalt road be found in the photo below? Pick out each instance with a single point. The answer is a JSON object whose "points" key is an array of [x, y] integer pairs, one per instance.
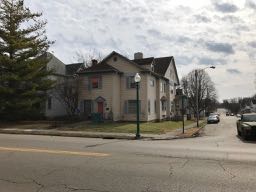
{"points": [[217, 161]]}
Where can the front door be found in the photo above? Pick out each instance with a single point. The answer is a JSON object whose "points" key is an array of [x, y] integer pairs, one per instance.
{"points": [[100, 107]]}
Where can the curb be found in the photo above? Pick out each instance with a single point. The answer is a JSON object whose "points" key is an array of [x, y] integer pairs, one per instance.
{"points": [[95, 135], [68, 134]]}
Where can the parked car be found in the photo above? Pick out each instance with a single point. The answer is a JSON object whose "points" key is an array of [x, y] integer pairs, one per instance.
{"points": [[227, 113], [238, 115], [213, 119], [246, 126], [232, 114], [216, 114]]}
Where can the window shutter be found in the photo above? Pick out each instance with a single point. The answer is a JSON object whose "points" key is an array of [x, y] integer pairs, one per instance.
{"points": [[92, 105], [100, 82], [127, 82], [89, 83], [81, 106], [125, 107]]}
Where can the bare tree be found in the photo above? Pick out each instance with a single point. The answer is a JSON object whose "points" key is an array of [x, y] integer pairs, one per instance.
{"points": [[88, 58], [66, 92], [207, 95]]}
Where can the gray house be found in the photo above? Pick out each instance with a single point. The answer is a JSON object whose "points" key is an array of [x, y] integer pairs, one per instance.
{"points": [[54, 105]]}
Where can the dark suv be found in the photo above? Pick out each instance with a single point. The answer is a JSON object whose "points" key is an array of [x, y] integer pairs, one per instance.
{"points": [[246, 126]]}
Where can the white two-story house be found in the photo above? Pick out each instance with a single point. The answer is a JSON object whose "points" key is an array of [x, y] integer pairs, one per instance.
{"points": [[108, 87]]}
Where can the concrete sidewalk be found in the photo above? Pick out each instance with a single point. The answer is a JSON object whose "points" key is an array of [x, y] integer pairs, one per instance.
{"points": [[190, 131]]}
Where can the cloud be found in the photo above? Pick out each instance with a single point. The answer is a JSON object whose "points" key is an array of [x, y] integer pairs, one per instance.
{"points": [[251, 4], [202, 19], [231, 19], [155, 33], [208, 32], [211, 61], [220, 47], [234, 71], [225, 7], [183, 60], [252, 44]]}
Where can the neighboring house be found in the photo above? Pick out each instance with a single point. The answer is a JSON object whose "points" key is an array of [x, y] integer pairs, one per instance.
{"points": [[54, 107], [108, 87]]}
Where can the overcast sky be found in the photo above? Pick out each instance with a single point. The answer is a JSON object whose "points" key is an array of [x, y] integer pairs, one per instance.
{"points": [[198, 33]]}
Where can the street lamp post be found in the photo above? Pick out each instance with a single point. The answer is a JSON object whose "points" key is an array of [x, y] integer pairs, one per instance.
{"points": [[137, 79], [197, 107]]}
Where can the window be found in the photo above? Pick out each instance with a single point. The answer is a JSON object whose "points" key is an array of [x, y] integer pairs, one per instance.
{"points": [[95, 82], [162, 87], [131, 106], [152, 82], [130, 82], [152, 67], [87, 106], [49, 103], [164, 105], [149, 106]]}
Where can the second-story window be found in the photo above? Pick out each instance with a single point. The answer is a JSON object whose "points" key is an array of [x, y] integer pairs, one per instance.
{"points": [[163, 87], [152, 82], [95, 82], [130, 82]]}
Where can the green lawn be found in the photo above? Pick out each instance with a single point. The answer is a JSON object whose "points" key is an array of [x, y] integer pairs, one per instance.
{"points": [[127, 127]]}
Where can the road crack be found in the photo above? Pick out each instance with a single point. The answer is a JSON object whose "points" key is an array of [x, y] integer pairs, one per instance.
{"points": [[226, 170], [50, 172], [70, 188], [170, 170], [100, 144], [185, 163], [41, 186], [14, 182]]}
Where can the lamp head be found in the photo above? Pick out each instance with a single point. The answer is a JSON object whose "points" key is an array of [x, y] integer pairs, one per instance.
{"points": [[137, 78]]}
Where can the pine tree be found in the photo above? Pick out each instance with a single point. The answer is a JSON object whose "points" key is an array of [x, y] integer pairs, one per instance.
{"points": [[23, 74]]}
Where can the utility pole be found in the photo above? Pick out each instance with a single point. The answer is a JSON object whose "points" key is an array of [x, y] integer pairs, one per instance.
{"points": [[197, 111], [183, 112]]}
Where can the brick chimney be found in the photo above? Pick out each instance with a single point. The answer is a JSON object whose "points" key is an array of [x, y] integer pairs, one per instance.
{"points": [[94, 62], [138, 55]]}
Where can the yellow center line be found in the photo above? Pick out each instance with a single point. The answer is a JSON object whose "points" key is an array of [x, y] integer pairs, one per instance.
{"points": [[80, 153]]}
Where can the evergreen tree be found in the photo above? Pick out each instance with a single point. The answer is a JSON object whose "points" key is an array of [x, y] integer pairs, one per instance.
{"points": [[23, 73]]}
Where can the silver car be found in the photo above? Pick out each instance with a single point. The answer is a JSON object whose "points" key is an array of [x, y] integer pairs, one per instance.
{"points": [[213, 119]]}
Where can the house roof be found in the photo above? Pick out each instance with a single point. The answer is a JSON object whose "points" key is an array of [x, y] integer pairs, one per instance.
{"points": [[100, 67], [125, 58], [71, 69], [162, 64]]}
